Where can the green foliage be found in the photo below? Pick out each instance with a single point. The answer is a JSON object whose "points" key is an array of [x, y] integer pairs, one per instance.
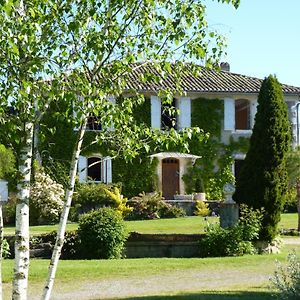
{"points": [[5, 249], [201, 209], [263, 178], [286, 279], [70, 249], [152, 206], [9, 209], [46, 199], [233, 241], [118, 201], [93, 196], [102, 234], [207, 114], [136, 176]]}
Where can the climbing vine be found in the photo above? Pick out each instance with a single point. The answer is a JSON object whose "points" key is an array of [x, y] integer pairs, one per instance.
{"points": [[214, 167]]}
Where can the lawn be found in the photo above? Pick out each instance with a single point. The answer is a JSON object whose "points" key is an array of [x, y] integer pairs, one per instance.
{"points": [[176, 278], [179, 225]]}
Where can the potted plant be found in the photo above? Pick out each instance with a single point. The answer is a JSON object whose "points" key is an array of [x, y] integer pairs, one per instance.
{"points": [[199, 190]]}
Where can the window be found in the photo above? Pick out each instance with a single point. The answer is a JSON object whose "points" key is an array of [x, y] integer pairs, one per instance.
{"points": [[169, 115], [95, 168], [93, 123], [94, 171], [242, 114]]}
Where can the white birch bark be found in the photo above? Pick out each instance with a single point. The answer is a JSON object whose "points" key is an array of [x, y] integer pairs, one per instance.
{"points": [[64, 217], [20, 282]]}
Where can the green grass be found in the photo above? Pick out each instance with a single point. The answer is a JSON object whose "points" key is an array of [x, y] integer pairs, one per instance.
{"points": [[192, 225], [71, 275]]}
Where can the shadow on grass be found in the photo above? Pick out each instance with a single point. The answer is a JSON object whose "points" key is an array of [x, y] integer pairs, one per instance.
{"points": [[241, 295]]}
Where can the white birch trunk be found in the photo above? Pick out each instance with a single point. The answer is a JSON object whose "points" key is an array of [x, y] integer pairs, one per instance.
{"points": [[20, 282], [64, 217]]}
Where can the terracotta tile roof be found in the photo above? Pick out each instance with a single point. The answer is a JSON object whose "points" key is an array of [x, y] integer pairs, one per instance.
{"points": [[208, 81]]}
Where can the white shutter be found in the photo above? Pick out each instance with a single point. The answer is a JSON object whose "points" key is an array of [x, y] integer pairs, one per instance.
{"points": [[229, 114], [108, 169], [155, 112], [82, 169], [184, 118], [294, 116], [253, 110]]}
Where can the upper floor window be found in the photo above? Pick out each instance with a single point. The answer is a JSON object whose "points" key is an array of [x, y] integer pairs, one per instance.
{"points": [[169, 115], [242, 114], [93, 123]]}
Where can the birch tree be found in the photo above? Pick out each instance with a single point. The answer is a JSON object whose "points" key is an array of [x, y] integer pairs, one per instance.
{"points": [[105, 44], [85, 52], [28, 45]]}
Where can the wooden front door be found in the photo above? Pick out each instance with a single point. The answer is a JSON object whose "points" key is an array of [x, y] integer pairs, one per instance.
{"points": [[170, 177]]}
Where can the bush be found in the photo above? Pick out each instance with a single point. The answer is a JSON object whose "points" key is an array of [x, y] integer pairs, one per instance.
{"points": [[9, 210], [102, 234], [201, 209], [70, 249], [233, 241], [46, 199], [96, 195], [286, 280], [167, 210], [152, 206]]}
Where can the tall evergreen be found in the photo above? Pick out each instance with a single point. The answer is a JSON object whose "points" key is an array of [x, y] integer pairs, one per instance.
{"points": [[263, 178]]}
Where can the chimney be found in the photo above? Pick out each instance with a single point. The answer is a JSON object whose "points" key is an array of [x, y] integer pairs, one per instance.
{"points": [[225, 66]]}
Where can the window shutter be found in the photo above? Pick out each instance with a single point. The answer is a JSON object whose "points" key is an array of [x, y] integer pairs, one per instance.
{"points": [[82, 169], [229, 114], [253, 110], [184, 117], [108, 169], [155, 112]]}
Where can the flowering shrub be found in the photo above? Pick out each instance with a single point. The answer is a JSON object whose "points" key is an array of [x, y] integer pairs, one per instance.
{"points": [[46, 199]]}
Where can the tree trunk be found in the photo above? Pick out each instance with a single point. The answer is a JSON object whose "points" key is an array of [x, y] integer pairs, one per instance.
{"points": [[298, 202], [64, 216], [20, 282]]}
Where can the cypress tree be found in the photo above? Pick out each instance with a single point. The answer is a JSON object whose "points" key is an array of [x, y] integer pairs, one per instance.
{"points": [[263, 179]]}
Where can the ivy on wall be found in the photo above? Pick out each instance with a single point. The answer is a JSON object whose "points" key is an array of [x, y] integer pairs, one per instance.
{"points": [[214, 168]]}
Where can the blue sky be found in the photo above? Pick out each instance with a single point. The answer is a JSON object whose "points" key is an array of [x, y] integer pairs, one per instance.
{"points": [[263, 37]]}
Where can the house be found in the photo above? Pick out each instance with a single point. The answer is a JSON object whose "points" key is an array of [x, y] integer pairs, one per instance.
{"points": [[226, 101]]}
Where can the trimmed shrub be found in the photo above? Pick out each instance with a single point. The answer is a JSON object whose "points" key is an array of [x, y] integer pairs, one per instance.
{"points": [[263, 180], [102, 234], [233, 241]]}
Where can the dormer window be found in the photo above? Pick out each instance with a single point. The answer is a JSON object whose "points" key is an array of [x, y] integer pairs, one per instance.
{"points": [[93, 123], [242, 114]]}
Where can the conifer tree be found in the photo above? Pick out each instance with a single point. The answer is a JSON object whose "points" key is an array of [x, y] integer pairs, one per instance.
{"points": [[263, 180]]}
